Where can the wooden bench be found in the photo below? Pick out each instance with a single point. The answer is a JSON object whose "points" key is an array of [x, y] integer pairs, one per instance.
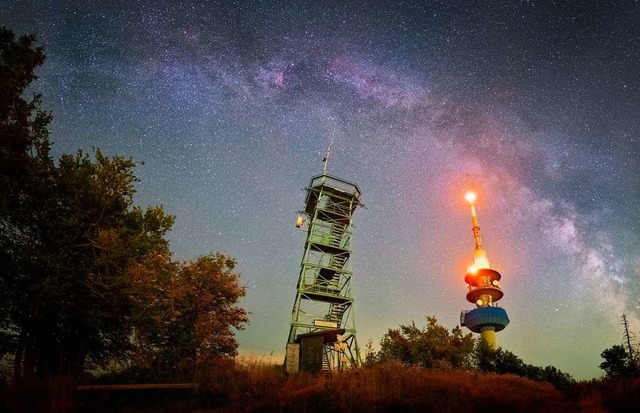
{"points": [[138, 386]]}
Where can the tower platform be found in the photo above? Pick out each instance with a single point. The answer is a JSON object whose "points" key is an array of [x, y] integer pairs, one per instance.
{"points": [[482, 318]]}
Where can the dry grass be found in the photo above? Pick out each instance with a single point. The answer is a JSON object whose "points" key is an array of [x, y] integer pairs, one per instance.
{"points": [[609, 395], [258, 386], [394, 387], [390, 387]]}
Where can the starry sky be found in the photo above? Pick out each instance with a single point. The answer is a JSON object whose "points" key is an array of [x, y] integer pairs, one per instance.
{"points": [[533, 104]]}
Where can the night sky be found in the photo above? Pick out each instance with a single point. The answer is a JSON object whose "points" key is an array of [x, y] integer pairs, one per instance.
{"points": [[535, 105]]}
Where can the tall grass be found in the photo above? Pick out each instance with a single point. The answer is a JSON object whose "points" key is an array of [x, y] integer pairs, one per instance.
{"points": [[227, 386], [614, 394], [389, 387], [394, 387], [257, 386]]}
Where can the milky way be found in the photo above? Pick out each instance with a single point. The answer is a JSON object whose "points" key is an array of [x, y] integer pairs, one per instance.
{"points": [[535, 106]]}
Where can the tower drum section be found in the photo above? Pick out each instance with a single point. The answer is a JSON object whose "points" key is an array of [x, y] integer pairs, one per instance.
{"points": [[323, 330]]}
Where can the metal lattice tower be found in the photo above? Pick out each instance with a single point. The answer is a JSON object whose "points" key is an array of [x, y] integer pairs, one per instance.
{"points": [[323, 309]]}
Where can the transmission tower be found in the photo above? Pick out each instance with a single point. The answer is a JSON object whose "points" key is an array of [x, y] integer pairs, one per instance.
{"points": [[484, 290]]}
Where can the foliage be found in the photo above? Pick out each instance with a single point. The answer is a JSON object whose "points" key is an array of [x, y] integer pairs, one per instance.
{"points": [[253, 386], [24, 161], [184, 313], [22, 123], [616, 361], [432, 346], [370, 356], [78, 258], [435, 347], [619, 361], [68, 299], [25, 178], [393, 386], [505, 362], [608, 394]]}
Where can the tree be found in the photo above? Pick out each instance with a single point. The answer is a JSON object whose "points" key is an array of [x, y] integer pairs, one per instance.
{"points": [[370, 356], [87, 276], [560, 379], [432, 346], [69, 305], [183, 313], [22, 123], [68, 233], [616, 361], [435, 347], [503, 361], [25, 178], [499, 360]]}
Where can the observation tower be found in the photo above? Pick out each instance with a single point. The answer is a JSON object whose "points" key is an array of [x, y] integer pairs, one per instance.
{"points": [[322, 336], [484, 290]]}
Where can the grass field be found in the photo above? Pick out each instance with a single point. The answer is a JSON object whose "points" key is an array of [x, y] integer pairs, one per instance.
{"points": [[389, 387]]}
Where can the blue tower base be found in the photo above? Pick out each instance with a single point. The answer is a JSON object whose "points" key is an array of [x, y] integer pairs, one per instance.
{"points": [[480, 318]]}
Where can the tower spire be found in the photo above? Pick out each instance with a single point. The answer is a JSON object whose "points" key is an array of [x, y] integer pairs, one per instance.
{"points": [[479, 254]]}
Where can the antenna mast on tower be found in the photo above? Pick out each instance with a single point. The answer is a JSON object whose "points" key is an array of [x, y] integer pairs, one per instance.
{"points": [[325, 160]]}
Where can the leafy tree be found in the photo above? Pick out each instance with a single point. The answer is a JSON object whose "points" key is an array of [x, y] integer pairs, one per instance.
{"points": [[435, 347], [460, 352], [86, 275], [432, 346], [370, 356], [25, 179], [22, 123], [558, 378], [505, 362], [68, 306], [67, 233], [501, 361], [485, 356], [184, 313], [616, 361]]}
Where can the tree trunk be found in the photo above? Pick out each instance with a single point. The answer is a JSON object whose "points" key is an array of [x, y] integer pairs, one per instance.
{"points": [[19, 354]]}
